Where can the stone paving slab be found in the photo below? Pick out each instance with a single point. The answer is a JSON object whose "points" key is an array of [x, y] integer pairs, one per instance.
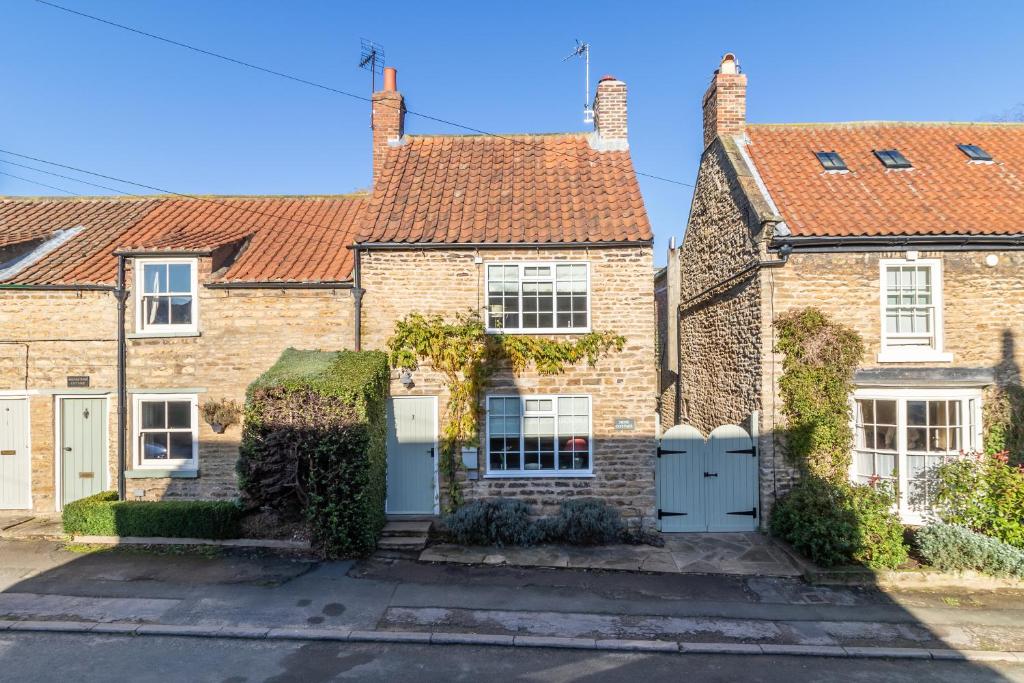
{"points": [[743, 554]]}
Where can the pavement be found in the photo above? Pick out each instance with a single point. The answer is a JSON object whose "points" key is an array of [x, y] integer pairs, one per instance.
{"points": [[17, 525], [28, 657], [244, 596], [747, 554]]}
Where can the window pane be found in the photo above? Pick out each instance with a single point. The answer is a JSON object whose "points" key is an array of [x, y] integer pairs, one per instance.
{"points": [[156, 310], [154, 446], [885, 412], [179, 414], [181, 310], [916, 412], [154, 278], [181, 445], [917, 438], [153, 414], [179, 277]]}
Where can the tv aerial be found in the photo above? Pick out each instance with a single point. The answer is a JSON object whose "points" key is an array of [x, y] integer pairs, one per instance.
{"points": [[371, 58], [583, 50]]}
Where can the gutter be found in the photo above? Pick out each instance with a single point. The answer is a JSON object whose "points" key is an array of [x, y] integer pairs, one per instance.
{"points": [[280, 285], [497, 245], [122, 381], [750, 267], [59, 288], [868, 243], [357, 299]]}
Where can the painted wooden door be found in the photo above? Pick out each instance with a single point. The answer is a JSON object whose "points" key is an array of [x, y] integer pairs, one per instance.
{"points": [[681, 505], [412, 445], [83, 447], [15, 456], [731, 490]]}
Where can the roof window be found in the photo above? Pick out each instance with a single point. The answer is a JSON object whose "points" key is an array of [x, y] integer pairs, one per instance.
{"points": [[891, 158], [975, 153], [831, 161]]}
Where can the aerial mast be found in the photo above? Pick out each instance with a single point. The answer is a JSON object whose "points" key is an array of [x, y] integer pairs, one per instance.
{"points": [[583, 50], [371, 58]]}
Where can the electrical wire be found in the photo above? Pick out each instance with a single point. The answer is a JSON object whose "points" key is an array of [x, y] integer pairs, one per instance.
{"points": [[36, 182]]}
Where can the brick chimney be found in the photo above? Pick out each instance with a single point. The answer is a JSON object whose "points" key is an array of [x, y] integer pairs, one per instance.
{"points": [[725, 102], [388, 118], [610, 112]]}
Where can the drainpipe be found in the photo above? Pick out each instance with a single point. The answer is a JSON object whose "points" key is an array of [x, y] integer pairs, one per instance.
{"points": [[122, 382], [357, 297]]}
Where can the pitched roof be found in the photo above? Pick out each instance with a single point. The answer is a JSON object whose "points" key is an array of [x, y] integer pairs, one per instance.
{"points": [[273, 239], [943, 194], [458, 189]]}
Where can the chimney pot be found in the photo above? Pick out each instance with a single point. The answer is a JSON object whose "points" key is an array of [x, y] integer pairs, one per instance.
{"points": [[607, 77], [390, 79]]}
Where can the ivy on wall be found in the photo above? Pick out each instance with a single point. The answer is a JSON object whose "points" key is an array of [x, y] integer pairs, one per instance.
{"points": [[1003, 420], [821, 357], [467, 356]]}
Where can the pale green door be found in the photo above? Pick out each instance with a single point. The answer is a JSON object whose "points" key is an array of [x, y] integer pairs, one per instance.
{"points": [[15, 456], [83, 447], [680, 479], [732, 491], [412, 442]]}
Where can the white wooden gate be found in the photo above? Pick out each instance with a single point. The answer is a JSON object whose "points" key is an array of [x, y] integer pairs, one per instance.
{"points": [[707, 485]]}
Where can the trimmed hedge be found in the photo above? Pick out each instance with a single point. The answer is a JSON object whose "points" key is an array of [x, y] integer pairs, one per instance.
{"points": [[840, 523], [946, 546], [313, 446], [507, 521], [104, 515]]}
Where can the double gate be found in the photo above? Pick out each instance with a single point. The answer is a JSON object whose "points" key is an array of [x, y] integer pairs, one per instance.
{"points": [[707, 484]]}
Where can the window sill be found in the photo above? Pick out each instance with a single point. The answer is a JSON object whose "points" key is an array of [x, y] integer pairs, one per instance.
{"points": [[161, 474], [922, 356], [568, 474], [159, 335], [569, 330]]}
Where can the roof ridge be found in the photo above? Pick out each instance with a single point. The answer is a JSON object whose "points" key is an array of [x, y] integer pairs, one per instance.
{"points": [[574, 134], [358, 194], [881, 123]]}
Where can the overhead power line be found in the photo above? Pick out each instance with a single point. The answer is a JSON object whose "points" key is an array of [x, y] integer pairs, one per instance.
{"points": [[328, 88], [36, 182]]}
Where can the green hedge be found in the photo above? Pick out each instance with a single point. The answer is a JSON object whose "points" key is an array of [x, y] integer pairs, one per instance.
{"points": [[104, 515], [313, 445], [946, 546]]}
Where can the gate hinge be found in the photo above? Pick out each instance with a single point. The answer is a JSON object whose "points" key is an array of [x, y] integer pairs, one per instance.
{"points": [[662, 451], [662, 513], [746, 451], [752, 512]]}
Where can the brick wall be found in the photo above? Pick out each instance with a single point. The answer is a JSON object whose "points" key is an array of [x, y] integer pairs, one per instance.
{"points": [[725, 106], [622, 385], [610, 117]]}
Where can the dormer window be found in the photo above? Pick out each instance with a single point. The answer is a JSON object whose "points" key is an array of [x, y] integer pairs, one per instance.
{"points": [[831, 161], [892, 158], [166, 296], [975, 153]]}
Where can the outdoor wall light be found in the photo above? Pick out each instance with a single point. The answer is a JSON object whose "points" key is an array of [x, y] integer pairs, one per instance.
{"points": [[405, 377]]}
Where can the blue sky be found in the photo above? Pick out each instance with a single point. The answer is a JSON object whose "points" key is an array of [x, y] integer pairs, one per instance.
{"points": [[95, 97]]}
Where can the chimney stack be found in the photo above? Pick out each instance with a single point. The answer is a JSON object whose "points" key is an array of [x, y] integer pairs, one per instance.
{"points": [[725, 102], [610, 112], [388, 119]]}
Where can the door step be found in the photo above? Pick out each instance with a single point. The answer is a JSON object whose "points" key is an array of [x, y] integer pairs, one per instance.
{"points": [[404, 538]]}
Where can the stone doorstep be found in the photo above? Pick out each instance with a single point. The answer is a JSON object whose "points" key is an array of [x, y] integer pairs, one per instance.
{"points": [[411, 543], [440, 638], [411, 528]]}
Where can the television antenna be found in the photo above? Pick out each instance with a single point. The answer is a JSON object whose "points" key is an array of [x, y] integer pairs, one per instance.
{"points": [[371, 58], [583, 50]]}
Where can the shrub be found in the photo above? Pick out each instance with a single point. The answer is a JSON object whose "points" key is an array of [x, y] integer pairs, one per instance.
{"points": [[499, 521], [104, 515], [313, 445], [951, 547], [223, 413], [584, 521], [983, 493], [840, 523]]}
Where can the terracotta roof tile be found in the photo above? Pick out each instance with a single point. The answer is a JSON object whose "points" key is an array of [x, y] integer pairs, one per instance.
{"points": [[511, 189], [943, 194]]}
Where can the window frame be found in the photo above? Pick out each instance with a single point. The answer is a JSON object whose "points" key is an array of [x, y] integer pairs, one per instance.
{"points": [[913, 354], [169, 464], [170, 328], [893, 159], [522, 266], [975, 154], [970, 424], [523, 414], [831, 161]]}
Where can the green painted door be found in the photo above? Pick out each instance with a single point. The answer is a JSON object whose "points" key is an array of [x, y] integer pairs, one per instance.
{"points": [[83, 447], [412, 441], [732, 492], [15, 456], [680, 480]]}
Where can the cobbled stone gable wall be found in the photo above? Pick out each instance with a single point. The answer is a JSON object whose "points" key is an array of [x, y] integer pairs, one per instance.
{"points": [[622, 385]]}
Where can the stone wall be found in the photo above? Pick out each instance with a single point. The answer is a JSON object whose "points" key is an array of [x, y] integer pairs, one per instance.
{"points": [[623, 385]]}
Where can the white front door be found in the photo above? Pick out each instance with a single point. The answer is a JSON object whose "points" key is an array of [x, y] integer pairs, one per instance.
{"points": [[412, 455], [15, 456]]}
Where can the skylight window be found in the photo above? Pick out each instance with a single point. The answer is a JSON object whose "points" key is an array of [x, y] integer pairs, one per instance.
{"points": [[831, 161], [891, 158], [975, 153]]}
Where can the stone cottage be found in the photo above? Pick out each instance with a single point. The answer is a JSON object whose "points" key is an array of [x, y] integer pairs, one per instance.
{"points": [[909, 233], [151, 307]]}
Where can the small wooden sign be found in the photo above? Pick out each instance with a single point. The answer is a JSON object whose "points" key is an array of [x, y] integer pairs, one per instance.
{"points": [[624, 424], [8, 452], [85, 475], [78, 381]]}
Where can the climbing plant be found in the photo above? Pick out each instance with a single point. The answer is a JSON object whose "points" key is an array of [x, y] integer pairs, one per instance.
{"points": [[1003, 421], [467, 357], [817, 380]]}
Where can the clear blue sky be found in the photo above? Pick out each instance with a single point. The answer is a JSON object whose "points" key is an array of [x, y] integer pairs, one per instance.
{"points": [[96, 97]]}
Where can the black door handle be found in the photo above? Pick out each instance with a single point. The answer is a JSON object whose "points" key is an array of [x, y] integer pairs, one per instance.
{"points": [[67, 448], [711, 474], [431, 453]]}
